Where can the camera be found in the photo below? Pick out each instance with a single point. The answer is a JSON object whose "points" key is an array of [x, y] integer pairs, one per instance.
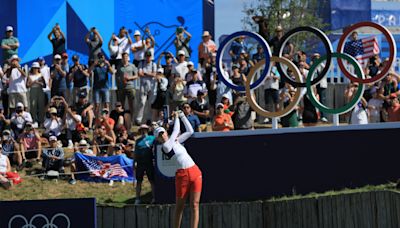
{"points": [[179, 30]]}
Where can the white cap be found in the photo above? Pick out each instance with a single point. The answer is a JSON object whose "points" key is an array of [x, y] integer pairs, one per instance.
{"points": [[20, 105], [83, 142], [160, 70], [9, 28], [53, 138], [35, 65], [137, 33], [181, 52], [206, 33], [57, 56], [158, 130], [14, 57], [219, 104], [225, 96], [190, 63]]}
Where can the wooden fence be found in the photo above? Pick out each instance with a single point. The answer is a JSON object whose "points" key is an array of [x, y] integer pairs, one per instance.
{"points": [[377, 209]]}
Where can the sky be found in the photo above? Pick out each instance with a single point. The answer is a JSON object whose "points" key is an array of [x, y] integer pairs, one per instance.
{"points": [[228, 16]]}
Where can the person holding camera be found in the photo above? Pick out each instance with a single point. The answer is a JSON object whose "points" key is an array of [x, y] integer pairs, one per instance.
{"points": [[10, 148], [147, 74], [101, 91], [94, 41], [17, 90], [149, 43], [58, 78], [18, 119], [115, 54], [182, 43], [30, 144], [124, 42], [138, 49], [58, 40], [36, 84], [79, 75]]}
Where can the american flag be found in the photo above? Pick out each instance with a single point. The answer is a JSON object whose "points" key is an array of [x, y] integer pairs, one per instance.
{"points": [[362, 49], [106, 170]]}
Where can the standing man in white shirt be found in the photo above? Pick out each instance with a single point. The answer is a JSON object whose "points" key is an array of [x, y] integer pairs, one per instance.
{"points": [[147, 73], [124, 42], [138, 49], [181, 68], [17, 84]]}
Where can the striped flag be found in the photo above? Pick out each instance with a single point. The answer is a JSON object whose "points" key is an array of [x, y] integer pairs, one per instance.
{"points": [[362, 49]]}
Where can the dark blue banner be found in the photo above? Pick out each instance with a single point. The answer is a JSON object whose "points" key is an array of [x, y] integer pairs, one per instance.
{"points": [[62, 213], [103, 169]]}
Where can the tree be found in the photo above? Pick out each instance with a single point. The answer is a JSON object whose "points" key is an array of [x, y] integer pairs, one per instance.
{"points": [[287, 13]]}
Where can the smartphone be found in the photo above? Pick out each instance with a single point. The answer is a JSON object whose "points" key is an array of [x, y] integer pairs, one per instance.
{"points": [[166, 113], [179, 30]]}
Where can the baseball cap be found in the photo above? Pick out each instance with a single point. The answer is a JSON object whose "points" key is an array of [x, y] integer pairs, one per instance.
{"points": [[57, 56], [9, 28], [148, 53], [225, 96], [278, 28], [201, 92], [6, 132], [82, 94], [100, 54], [20, 105], [14, 57], [53, 138], [83, 142], [64, 55], [159, 130], [137, 33], [160, 70], [53, 110], [40, 59], [219, 105], [75, 57], [35, 65], [181, 52], [190, 63], [235, 66], [143, 126]]}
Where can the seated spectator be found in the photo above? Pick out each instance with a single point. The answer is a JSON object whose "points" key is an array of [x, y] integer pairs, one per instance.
{"points": [[57, 103], [53, 125], [10, 148], [5, 167], [30, 144], [4, 122], [193, 118], [192, 71], [242, 118], [105, 120], [120, 116], [227, 105], [144, 160], [85, 109], [53, 157], [18, 120], [222, 121], [73, 122], [102, 143], [83, 148], [393, 111], [200, 106]]}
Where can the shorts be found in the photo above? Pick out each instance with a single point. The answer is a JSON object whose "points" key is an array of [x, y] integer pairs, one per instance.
{"points": [[14, 98], [101, 96], [186, 180], [141, 169], [271, 94]]}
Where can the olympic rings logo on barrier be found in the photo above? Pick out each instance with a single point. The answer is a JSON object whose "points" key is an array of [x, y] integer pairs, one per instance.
{"points": [[47, 224], [298, 82]]}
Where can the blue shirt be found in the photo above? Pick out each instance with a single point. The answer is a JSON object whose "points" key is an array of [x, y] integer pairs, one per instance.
{"points": [[100, 80], [144, 149], [194, 121], [58, 82]]}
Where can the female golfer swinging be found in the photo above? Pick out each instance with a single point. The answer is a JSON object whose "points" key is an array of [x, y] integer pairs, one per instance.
{"points": [[188, 179]]}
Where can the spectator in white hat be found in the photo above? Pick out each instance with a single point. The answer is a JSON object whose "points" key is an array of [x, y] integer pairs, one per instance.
{"points": [[83, 148], [180, 69], [58, 78], [206, 47], [58, 40], [17, 84], [137, 48], [9, 44], [192, 71], [36, 83]]}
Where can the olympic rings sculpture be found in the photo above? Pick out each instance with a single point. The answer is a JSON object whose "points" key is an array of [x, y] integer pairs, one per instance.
{"points": [[310, 81]]}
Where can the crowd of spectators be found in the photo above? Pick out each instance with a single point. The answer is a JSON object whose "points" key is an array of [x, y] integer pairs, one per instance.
{"points": [[67, 106]]}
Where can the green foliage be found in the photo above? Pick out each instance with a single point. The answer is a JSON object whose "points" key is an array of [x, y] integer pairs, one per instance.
{"points": [[286, 13]]}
